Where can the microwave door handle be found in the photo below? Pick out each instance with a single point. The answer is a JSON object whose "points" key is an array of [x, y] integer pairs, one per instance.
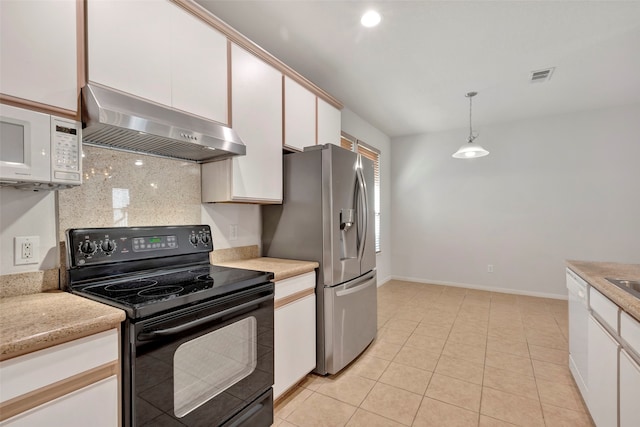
{"points": [[151, 335]]}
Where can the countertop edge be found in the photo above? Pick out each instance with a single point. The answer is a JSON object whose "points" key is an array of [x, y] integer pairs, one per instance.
{"points": [[281, 268], [591, 273], [89, 318]]}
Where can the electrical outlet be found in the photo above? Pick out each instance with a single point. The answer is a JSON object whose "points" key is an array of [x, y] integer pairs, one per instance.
{"points": [[27, 250], [490, 268], [233, 232]]}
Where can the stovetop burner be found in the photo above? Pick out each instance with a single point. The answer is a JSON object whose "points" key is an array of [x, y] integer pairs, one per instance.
{"points": [[157, 291], [160, 291], [133, 286]]}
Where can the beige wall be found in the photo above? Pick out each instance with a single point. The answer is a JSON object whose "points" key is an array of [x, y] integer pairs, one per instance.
{"points": [[553, 188]]}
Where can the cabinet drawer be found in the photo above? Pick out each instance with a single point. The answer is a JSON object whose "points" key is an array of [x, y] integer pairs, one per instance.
{"points": [[288, 287], [295, 343], [95, 405], [602, 376], [604, 308], [630, 332], [32, 371], [629, 389]]}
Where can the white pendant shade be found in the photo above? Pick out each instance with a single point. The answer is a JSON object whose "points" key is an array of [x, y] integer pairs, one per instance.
{"points": [[470, 151]]}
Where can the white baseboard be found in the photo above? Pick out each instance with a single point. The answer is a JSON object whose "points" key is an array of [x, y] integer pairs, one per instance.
{"points": [[383, 281], [480, 287]]}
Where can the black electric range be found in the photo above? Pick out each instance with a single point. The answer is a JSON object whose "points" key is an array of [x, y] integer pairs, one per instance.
{"points": [[149, 270], [186, 320]]}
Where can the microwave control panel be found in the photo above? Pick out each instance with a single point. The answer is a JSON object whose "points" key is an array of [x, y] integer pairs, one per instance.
{"points": [[66, 151]]}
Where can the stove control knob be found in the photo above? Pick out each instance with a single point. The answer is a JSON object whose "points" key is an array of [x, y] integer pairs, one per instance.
{"points": [[205, 239], [193, 239], [88, 248], [108, 246]]}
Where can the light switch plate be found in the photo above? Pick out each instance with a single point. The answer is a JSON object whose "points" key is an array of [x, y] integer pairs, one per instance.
{"points": [[26, 250]]}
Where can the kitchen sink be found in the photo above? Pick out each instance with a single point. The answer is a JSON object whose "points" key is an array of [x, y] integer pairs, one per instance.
{"points": [[631, 286]]}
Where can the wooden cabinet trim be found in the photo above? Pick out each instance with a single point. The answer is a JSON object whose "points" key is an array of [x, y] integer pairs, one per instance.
{"points": [[27, 401], [229, 91], [239, 39], [293, 297], [284, 109], [316, 120], [81, 41], [37, 106]]}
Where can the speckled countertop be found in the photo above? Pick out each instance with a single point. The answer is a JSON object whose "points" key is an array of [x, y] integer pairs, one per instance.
{"points": [[32, 322], [281, 268], [595, 273], [248, 257]]}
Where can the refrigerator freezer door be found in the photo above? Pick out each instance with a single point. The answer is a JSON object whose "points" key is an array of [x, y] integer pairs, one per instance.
{"points": [[350, 320]]}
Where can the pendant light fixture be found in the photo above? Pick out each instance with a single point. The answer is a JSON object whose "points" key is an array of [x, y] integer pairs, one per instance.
{"points": [[470, 150]]}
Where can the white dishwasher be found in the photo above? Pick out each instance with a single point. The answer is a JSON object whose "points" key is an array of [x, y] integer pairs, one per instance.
{"points": [[578, 330]]}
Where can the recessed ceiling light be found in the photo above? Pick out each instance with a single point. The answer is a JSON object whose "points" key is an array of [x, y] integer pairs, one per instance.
{"points": [[371, 18]]}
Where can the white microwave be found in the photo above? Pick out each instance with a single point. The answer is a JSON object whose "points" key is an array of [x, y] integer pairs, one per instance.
{"points": [[39, 151]]}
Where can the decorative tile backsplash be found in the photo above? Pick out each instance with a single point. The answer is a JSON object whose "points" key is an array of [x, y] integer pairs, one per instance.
{"points": [[126, 189]]}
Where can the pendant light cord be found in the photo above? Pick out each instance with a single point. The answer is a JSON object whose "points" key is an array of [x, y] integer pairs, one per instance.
{"points": [[470, 95]]}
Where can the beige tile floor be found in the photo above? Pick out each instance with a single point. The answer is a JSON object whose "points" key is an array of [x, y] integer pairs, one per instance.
{"points": [[449, 357]]}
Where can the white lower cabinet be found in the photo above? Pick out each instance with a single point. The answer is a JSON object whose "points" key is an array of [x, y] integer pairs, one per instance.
{"points": [[74, 384], [603, 375], [295, 331], [94, 405], [629, 391]]}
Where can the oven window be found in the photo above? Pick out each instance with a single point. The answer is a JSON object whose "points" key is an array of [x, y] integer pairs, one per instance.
{"points": [[208, 365]]}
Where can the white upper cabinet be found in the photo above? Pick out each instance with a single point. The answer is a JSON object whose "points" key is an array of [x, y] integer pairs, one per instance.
{"points": [[127, 47], [38, 52], [256, 105], [199, 67], [160, 52], [329, 123], [299, 115]]}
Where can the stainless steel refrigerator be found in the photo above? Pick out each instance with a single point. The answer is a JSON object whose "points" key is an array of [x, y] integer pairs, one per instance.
{"points": [[327, 216]]}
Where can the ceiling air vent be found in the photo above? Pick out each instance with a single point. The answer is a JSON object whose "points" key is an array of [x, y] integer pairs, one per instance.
{"points": [[541, 76]]}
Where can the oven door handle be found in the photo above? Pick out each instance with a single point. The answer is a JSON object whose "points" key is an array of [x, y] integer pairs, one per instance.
{"points": [[148, 336]]}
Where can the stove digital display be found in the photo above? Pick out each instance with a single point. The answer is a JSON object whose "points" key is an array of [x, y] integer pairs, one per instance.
{"points": [[153, 243]]}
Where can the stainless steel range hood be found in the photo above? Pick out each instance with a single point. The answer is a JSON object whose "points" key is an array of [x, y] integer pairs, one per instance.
{"points": [[121, 121]]}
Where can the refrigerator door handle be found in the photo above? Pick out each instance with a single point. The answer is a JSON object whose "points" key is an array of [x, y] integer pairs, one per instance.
{"points": [[364, 214], [355, 289], [356, 284]]}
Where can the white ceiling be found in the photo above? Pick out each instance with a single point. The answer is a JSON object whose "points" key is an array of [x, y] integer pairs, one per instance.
{"points": [[410, 74]]}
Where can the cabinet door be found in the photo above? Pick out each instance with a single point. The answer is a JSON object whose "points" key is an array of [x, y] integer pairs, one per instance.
{"points": [[256, 104], [38, 52], [602, 376], [198, 67], [329, 123], [295, 343], [299, 115], [95, 405], [629, 391], [128, 47]]}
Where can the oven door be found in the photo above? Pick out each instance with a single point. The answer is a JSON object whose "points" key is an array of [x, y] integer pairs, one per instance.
{"points": [[205, 365]]}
